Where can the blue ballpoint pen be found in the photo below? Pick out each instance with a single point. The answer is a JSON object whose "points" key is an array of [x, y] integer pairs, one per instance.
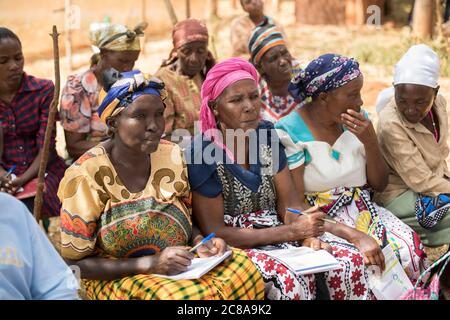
{"points": [[10, 170], [204, 240], [299, 212]]}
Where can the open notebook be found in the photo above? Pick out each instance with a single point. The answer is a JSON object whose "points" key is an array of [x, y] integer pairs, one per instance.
{"points": [[303, 260], [198, 268]]}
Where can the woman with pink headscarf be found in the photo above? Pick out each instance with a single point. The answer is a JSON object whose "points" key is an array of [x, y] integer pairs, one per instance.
{"points": [[242, 187]]}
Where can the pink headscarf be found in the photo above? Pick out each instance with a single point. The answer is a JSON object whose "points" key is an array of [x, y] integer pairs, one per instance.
{"points": [[221, 76]]}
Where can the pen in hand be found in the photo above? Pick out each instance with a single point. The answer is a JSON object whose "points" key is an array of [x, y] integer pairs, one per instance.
{"points": [[203, 241], [299, 212], [10, 171]]}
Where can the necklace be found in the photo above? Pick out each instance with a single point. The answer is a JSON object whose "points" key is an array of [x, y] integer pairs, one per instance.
{"points": [[435, 132]]}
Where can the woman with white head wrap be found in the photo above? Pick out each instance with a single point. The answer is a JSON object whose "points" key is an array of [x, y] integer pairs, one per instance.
{"points": [[413, 132], [117, 46]]}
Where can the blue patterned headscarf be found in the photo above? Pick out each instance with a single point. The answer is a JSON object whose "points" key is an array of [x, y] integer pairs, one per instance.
{"points": [[327, 72], [124, 88]]}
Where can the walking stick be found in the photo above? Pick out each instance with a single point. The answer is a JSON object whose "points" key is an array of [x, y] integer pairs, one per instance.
{"points": [[171, 10], [48, 130], [188, 9]]}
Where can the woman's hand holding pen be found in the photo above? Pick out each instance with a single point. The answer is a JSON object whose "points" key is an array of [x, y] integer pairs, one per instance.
{"points": [[7, 185], [171, 261], [308, 225]]}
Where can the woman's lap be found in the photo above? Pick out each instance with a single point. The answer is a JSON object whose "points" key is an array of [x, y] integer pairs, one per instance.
{"points": [[403, 207], [236, 280]]}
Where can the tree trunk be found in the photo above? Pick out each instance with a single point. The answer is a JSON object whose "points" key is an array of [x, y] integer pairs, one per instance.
{"points": [[213, 7], [423, 18]]}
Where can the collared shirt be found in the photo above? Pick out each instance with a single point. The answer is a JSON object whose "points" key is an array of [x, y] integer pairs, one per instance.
{"points": [[416, 160], [30, 267], [24, 121]]}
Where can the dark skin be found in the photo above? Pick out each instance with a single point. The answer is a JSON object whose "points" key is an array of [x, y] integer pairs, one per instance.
{"points": [[255, 10], [238, 108], [77, 143], [137, 132], [191, 58], [276, 68], [415, 101], [325, 117], [11, 74]]}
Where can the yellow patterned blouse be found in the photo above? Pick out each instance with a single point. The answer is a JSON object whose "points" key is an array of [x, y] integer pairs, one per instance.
{"points": [[99, 216]]}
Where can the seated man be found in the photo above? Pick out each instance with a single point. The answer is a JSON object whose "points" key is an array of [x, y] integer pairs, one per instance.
{"points": [[30, 268], [413, 132]]}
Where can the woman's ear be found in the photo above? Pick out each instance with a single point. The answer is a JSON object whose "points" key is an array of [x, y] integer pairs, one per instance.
{"points": [[323, 98], [260, 69], [436, 91], [213, 105], [111, 122]]}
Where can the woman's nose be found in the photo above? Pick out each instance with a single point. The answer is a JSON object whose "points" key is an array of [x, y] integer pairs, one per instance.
{"points": [[151, 126]]}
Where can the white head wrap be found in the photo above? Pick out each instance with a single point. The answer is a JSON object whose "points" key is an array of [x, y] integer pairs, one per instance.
{"points": [[419, 65]]}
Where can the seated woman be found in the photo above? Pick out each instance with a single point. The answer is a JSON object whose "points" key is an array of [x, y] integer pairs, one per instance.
{"points": [[184, 73], [242, 187], [413, 132], [276, 66], [118, 48], [243, 26], [334, 159], [126, 212], [24, 110]]}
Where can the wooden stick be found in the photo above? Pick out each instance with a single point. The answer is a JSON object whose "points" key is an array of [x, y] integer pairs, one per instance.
{"points": [[172, 14], [144, 19], [188, 9], [68, 34], [49, 130]]}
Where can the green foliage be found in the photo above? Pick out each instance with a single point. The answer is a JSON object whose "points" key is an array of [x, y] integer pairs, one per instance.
{"points": [[384, 53]]}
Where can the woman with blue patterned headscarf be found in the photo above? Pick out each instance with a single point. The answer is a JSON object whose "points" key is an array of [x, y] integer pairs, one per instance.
{"points": [[126, 209], [335, 161]]}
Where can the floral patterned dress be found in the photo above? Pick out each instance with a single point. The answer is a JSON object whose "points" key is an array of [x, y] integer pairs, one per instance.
{"points": [[335, 180], [250, 202]]}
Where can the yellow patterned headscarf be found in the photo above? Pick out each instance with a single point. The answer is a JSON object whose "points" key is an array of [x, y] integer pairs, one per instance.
{"points": [[117, 37]]}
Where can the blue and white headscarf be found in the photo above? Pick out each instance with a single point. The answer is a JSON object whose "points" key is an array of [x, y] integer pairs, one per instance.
{"points": [[124, 88], [326, 73]]}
